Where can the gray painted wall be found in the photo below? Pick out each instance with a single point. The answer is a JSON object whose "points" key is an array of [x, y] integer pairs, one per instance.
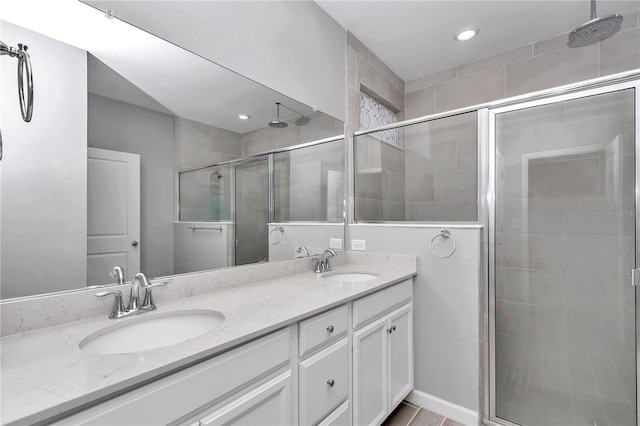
{"points": [[445, 314], [43, 173], [293, 47], [124, 127]]}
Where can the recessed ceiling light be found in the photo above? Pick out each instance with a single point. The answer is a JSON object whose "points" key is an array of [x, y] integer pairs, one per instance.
{"points": [[244, 116], [466, 33]]}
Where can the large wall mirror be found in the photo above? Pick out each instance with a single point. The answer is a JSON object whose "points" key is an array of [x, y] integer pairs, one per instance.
{"points": [[143, 155]]}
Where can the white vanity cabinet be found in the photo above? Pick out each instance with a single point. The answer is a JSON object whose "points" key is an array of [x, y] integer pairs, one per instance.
{"points": [[324, 366], [382, 353], [239, 382], [351, 365]]}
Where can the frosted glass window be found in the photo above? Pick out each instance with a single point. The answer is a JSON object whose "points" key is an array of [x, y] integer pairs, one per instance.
{"points": [[374, 114]]}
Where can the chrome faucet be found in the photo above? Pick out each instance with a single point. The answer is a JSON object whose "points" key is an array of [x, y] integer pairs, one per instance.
{"points": [[134, 307], [118, 273], [322, 264], [303, 248]]}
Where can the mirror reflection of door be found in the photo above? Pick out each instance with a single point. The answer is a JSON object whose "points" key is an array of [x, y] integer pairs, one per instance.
{"points": [[113, 227]]}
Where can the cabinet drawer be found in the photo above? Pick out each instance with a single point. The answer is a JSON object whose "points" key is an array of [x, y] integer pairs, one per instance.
{"points": [[267, 404], [322, 328], [341, 416], [175, 396], [374, 306], [324, 382]]}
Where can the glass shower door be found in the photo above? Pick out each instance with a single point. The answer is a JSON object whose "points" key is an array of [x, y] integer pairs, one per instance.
{"points": [[251, 211], [564, 246]]}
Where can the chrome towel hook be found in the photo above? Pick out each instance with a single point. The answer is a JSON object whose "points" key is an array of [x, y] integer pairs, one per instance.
{"points": [[445, 234], [24, 71]]}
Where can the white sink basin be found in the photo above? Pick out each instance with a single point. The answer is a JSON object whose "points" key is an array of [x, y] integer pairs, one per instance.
{"points": [[142, 333], [349, 277]]}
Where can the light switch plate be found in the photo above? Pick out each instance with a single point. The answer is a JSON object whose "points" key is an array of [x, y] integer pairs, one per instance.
{"points": [[335, 243], [358, 245]]}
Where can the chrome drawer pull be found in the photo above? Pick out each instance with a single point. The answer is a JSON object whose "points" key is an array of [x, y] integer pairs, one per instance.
{"points": [[330, 329], [331, 382]]}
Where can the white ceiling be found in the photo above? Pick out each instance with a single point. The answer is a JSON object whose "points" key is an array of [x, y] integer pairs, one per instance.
{"points": [[415, 38], [136, 67]]}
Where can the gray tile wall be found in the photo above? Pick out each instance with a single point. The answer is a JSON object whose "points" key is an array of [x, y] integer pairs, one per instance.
{"points": [[379, 192], [536, 66], [441, 169]]}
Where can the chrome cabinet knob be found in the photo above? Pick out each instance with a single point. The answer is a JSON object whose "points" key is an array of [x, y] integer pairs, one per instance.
{"points": [[330, 329], [331, 382], [391, 329]]}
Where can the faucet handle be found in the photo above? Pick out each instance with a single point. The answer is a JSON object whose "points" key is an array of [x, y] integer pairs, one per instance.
{"points": [[118, 306], [148, 303]]}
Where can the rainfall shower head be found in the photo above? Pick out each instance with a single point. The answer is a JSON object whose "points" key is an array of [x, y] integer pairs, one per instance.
{"points": [[595, 29], [302, 121], [277, 123]]}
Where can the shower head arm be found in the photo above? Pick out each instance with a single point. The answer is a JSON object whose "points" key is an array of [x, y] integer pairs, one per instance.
{"points": [[593, 9], [290, 109]]}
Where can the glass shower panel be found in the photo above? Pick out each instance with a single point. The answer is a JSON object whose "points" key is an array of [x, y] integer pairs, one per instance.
{"points": [[565, 351], [205, 194], [429, 174], [309, 184], [252, 211]]}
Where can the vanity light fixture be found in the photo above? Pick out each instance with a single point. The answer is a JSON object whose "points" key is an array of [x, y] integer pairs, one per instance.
{"points": [[466, 33], [242, 116]]}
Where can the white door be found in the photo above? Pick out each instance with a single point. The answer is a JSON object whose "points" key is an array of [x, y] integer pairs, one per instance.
{"points": [[113, 222], [370, 374], [400, 354]]}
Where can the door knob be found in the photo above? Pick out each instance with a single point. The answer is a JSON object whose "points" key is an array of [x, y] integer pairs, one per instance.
{"points": [[134, 243]]}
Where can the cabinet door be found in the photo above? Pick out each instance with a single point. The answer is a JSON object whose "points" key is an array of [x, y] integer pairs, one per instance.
{"points": [[370, 374], [324, 382], [269, 404], [400, 354]]}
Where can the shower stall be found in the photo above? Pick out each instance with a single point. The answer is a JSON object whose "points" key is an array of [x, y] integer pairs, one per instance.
{"points": [[557, 192], [242, 198]]}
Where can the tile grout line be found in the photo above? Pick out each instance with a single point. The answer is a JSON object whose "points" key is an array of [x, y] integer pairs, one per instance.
{"points": [[414, 416]]}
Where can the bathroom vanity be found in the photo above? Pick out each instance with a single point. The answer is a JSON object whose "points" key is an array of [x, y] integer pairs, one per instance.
{"points": [[302, 348]]}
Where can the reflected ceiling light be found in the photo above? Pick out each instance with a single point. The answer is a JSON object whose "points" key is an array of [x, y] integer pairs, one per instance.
{"points": [[242, 116], [466, 33]]}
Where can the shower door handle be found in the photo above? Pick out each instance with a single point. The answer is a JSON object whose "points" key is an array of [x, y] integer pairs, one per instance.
{"points": [[635, 277]]}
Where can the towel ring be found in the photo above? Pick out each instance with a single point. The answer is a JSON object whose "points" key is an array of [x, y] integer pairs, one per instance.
{"points": [[279, 230], [445, 234]]}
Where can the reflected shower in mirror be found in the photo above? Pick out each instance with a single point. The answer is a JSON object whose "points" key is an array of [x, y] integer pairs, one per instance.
{"points": [[93, 180]]}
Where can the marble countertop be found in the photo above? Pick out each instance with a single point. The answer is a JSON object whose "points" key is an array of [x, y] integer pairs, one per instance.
{"points": [[44, 373]]}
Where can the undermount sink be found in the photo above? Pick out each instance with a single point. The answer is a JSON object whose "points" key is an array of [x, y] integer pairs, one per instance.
{"points": [[349, 277], [156, 331]]}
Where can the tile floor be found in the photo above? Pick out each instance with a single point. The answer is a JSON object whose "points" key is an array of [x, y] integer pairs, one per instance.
{"points": [[408, 414]]}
